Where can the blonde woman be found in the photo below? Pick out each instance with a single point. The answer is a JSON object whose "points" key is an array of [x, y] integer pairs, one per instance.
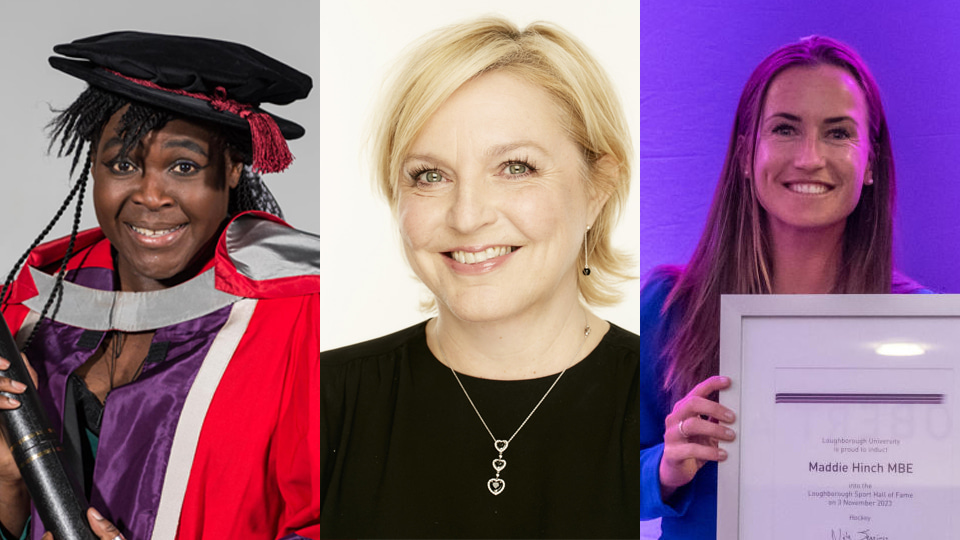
{"points": [[505, 158]]}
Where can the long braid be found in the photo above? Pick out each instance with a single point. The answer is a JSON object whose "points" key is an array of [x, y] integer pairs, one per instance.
{"points": [[81, 124], [74, 128], [57, 294], [252, 194], [78, 187]]}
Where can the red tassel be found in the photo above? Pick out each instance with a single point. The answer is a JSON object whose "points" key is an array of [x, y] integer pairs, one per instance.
{"points": [[270, 151]]}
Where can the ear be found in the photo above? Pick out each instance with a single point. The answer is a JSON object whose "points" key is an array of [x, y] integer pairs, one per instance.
{"points": [[233, 170], [605, 179]]}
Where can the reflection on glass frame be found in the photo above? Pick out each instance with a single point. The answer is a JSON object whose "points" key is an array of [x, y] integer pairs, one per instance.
{"points": [[847, 407]]}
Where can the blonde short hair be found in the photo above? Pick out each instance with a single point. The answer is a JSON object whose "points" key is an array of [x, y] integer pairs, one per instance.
{"points": [[548, 57]]}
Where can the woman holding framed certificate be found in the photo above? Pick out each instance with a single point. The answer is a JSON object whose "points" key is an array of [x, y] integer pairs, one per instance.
{"points": [[804, 206]]}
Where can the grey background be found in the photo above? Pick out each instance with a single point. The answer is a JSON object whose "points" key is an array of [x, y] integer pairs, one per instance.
{"points": [[34, 184]]}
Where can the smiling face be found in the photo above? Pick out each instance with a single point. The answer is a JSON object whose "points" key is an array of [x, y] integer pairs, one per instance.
{"points": [[492, 202], [812, 155], [162, 204]]}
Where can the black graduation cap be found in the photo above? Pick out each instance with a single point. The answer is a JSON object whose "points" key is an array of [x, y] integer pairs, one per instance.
{"points": [[208, 79]]}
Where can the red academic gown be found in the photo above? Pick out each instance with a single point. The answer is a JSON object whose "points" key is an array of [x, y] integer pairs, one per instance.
{"points": [[218, 436]]}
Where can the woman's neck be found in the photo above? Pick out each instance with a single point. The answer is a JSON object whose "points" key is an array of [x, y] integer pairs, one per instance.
{"points": [[524, 346], [806, 261]]}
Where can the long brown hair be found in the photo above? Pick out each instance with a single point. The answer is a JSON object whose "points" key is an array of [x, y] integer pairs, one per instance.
{"points": [[733, 254]]}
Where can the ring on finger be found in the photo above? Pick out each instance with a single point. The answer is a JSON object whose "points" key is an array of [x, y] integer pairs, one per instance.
{"points": [[680, 429]]}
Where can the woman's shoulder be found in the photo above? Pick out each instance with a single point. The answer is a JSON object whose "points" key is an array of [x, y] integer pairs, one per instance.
{"points": [[653, 295], [386, 347], [621, 339], [90, 252], [900, 283], [657, 324], [89, 248], [261, 256]]}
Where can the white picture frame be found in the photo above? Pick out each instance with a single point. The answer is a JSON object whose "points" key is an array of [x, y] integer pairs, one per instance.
{"points": [[835, 439]]}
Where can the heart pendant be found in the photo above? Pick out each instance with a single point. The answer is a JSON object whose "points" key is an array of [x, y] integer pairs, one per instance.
{"points": [[496, 485], [499, 464], [501, 445]]}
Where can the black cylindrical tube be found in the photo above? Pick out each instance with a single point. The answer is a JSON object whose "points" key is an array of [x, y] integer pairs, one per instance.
{"points": [[37, 450]]}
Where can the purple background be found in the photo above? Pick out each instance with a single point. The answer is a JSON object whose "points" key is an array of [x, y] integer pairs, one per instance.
{"points": [[695, 57]]}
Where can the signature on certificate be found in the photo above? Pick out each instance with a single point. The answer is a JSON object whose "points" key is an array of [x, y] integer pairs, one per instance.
{"points": [[841, 534]]}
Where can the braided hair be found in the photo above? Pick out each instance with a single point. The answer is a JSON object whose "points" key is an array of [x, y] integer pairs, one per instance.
{"points": [[76, 130]]}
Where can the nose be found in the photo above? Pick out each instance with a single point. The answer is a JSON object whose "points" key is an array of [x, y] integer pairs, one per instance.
{"points": [[152, 191], [809, 155], [472, 206]]}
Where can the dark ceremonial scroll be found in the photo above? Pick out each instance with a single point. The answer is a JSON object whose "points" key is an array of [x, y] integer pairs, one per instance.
{"points": [[35, 448]]}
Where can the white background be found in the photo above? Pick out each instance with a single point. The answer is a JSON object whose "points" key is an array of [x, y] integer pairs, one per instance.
{"points": [[367, 288]]}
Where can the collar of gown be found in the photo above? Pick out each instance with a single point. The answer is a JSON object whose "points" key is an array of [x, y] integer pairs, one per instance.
{"points": [[96, 309]]}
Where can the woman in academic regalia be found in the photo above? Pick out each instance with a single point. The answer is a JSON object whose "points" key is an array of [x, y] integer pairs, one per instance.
{"points": [[175, 344]]}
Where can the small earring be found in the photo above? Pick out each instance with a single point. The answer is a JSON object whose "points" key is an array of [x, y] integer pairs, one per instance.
{"points": [[586, 265], [869, 181]]}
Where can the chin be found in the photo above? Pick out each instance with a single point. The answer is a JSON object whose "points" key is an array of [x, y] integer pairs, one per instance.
{"points": [[158, 269], [479, 308], [165, 274], [807, 220], [817, 223]]}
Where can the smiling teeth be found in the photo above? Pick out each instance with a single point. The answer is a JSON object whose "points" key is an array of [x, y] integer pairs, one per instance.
{"points": [[153, 233], [470, 257], [812, 189]]}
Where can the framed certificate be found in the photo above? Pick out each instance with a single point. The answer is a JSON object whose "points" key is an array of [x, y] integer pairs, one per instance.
{"points": [[848, 417]]}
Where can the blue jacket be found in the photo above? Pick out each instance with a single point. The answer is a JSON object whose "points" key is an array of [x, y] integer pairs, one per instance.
{"points": [[692, 512]]}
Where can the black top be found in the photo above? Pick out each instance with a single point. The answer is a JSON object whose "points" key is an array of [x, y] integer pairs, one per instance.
{"points": [[404, 454]]}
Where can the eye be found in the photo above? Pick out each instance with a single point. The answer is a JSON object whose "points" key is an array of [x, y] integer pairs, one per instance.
{"points": [[429, 176], [839, 134], [185, 168], [120, 166], [783, 130], [425, 176], [518, 168]]}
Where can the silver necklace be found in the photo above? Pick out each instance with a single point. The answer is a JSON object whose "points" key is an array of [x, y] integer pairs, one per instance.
{"points": [[496, 485]]}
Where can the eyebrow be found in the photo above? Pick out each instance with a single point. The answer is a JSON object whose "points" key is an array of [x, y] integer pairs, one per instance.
{"points": [[831, 120], [115, 141], [838, 119], [492, 151], [187, 144], [173, 143], [501, 149]]}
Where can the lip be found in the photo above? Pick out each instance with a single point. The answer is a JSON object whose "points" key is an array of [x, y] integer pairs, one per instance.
{"points": [[487, 265], [145, 234], [808, 188]]}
